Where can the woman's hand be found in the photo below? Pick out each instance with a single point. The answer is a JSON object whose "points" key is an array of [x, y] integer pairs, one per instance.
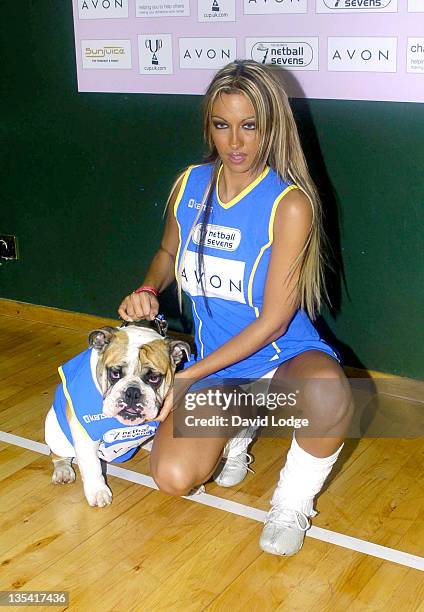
{"points": [[176, 394], [137, 306]]}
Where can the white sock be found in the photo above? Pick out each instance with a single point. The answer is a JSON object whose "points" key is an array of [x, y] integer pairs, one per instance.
{"points": [[301, 478], [238, 445]]}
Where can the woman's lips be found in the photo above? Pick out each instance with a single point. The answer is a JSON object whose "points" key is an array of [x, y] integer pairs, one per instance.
{"points": [[237, 158]]}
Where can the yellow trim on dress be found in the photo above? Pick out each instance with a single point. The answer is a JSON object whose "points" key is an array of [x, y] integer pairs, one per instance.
{"points": [[263, 249], [202, 350], [69, 400], [243, 193], [177, 202]]}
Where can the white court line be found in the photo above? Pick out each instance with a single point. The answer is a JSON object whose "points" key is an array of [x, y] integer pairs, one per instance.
{"points": [[325, 535]]}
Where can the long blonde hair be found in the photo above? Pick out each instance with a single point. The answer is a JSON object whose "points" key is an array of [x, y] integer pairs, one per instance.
{"points": [[280, 148]]}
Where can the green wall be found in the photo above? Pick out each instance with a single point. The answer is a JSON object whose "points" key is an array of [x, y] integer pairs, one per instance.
{"points": [[85, 177]]}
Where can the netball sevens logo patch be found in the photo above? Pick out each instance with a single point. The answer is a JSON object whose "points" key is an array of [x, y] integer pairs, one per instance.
{"points": [[219, 237], [222, 278]]}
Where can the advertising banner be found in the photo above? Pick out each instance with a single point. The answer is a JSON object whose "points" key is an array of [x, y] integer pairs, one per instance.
{"points": [[335, 49]]}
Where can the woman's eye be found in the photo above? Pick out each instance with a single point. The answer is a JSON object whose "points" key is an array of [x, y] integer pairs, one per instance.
{"points": [[219, 125], [250, 126]]}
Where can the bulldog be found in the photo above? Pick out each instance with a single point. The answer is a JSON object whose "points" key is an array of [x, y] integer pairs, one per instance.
{"points": [[106, 405]]}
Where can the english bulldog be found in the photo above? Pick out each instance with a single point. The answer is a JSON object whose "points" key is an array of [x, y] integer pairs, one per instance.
{"points": [[106, 405]]}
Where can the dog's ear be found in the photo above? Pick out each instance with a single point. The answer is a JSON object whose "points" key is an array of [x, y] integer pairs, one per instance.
{"points": [[100, 338], [177, 349]]}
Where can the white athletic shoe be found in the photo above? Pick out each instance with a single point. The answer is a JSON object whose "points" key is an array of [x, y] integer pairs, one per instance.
{"points": [[284, 531], [233, 470]]}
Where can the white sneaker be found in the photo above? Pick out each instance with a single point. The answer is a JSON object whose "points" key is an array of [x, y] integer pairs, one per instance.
{"points": [[284, 531], [233, 470]]}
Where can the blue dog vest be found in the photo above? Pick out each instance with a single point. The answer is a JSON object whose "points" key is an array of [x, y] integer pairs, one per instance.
{"points": [[78, 387]]}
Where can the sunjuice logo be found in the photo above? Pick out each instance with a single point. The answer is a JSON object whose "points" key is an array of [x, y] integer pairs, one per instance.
{"points": [[106, 54], [219, 237]]}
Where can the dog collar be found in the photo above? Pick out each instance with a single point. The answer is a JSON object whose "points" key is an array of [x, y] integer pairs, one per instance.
{"points": [[159, 321]]}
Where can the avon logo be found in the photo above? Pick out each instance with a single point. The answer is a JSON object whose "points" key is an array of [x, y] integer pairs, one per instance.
{"points": [[206, 52], [102, 9], [222, 278], [364, 54]]}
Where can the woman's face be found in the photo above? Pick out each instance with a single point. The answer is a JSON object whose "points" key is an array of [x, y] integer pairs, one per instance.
{"points": [[234, 131]]}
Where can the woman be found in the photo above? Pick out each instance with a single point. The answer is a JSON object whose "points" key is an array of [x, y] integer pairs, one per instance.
{"points": [[244, 239]]}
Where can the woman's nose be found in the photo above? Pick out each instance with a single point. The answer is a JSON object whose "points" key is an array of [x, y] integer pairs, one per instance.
{"points": [[235, 139]]}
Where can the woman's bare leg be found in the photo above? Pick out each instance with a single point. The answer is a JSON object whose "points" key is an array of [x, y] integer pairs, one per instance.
{"points": [[180, 464], [327, 404]]}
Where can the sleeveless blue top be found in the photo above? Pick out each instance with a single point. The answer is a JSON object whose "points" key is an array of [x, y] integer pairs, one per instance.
{"points": [[236, 257], [78, 387]]}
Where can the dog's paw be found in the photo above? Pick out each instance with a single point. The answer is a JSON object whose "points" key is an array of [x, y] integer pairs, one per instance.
{"points": [[99, 497], [63, 472]]}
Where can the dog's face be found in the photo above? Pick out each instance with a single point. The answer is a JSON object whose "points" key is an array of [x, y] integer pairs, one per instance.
{"points": [[135, 371]]}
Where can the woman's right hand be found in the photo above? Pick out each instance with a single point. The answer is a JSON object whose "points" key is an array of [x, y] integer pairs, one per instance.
{"points": [[137, 306]]}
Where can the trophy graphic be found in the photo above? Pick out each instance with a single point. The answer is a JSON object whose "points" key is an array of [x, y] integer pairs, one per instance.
{"points": [[158, 45], [263, 49], [215, 6]]}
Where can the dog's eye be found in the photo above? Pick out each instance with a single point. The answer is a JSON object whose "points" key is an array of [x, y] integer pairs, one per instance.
{"points": [[115, 373], [154, 379]]}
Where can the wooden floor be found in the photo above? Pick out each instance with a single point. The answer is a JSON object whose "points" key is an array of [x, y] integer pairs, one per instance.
{"points": [[149, 551]]}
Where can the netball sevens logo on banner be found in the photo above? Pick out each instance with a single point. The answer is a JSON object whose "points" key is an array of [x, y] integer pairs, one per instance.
{"points": [[106, 54], [356, 6], [102, 9], [293, 53], [359, 54], [206, 52], [265, 7], [155, 53], [219, 237], [216, 10], [222, 278]]}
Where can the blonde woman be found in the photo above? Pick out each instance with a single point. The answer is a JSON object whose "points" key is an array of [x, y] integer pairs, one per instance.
{"points": [[253, 297]]}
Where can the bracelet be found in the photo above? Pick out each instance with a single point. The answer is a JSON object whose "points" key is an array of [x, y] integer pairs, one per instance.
{"points": [[147, 289]]}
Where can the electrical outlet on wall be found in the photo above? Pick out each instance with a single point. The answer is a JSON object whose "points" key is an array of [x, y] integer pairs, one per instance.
{"points": [[8, 247]]}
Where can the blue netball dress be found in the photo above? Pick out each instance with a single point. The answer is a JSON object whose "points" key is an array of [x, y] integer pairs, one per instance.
{"points": [[118, 442], [236, 257]]}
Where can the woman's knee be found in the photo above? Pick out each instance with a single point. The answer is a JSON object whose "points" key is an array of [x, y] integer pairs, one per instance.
{"points": [[173, 478], [328, 399]]}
